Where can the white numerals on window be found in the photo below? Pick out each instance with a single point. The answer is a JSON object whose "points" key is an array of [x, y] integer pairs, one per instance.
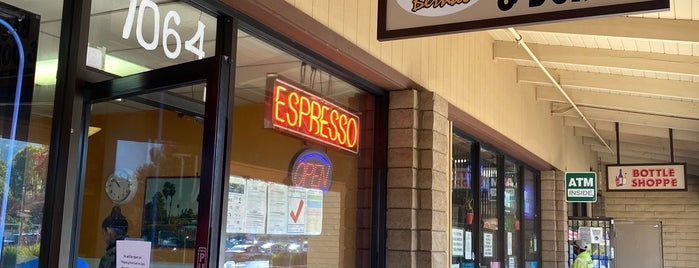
{"points": [[198, 36], [195, 45], [167, 31]]}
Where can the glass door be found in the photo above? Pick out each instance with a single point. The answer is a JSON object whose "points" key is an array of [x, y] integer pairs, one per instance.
{"points": [[151, 161]]}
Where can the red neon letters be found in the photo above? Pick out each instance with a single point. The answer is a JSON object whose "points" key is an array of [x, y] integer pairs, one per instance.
{"points": [[305, 114]]}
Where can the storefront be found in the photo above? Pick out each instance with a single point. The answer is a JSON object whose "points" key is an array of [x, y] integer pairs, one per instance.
{"points": [[210, 134], [488, 230], [185, 134]]}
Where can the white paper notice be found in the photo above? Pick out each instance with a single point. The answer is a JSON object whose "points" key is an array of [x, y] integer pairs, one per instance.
{"points": [[467, 245], [297, 210], [256, 211], [235, 217], [487, 244], [597, 235], [511, 262], [584, 234], [132, 254], [509, 243], [276, 209], [314, 211], [457, 242]]}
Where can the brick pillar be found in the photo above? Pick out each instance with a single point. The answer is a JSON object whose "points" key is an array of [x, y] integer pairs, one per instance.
{"points": [[561, 220], [554, 220], [401, 203], [418, 163]]}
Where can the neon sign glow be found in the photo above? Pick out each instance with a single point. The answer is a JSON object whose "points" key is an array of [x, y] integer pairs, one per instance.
{"points": [[299, 112], [312, 169]]}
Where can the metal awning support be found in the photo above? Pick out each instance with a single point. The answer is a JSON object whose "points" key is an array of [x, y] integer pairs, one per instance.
{"points": [[519, 40], [672, 148]]}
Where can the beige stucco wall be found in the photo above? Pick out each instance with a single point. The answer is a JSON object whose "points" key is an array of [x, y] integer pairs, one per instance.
{"points": [[461, 69]]}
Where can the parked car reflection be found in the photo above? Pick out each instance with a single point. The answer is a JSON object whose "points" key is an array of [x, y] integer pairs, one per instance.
{"points": [[24, 239], [243, 253]]}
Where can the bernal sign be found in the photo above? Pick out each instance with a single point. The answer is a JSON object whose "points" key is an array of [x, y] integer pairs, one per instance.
{"points": [[415, 18]]}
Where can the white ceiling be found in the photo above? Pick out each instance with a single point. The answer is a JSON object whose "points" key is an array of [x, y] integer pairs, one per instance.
{"points": [[641, 71]]}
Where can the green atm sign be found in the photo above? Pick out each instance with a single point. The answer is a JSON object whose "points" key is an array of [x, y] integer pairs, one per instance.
{"points": [[581, 187]]}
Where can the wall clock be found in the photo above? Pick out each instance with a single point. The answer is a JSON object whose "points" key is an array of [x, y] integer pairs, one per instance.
{"points": [[121, 186]]}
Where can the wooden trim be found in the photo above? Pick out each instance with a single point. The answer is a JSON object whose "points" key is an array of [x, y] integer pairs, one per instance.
{"points": [[306, 31], [488, 135]]}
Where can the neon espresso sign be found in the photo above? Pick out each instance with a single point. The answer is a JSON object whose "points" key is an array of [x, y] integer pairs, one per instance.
{"points": [[298, 112]]}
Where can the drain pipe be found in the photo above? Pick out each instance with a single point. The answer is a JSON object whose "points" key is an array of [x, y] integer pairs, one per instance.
{"points": [[518, 38]]}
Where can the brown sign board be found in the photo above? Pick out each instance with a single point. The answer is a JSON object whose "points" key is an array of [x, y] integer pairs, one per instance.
{"points": [[399, 19]]}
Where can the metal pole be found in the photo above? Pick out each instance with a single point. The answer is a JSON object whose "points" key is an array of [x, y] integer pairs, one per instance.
{"points": [[672, 149], [618, 151]]}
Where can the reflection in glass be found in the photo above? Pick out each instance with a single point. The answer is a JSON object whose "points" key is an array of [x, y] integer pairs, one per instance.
{"points": [[512, 220], [128, 37], [145, 161], [462, 200], [289, 225], [489, 207], [25, 122], [531, 219]]}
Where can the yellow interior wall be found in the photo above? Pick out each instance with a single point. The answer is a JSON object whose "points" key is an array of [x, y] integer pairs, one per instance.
{"points": [[461, 68]]}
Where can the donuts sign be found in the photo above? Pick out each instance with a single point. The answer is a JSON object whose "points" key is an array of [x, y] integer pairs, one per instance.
{"points": [[296, 111], [646, 177]]}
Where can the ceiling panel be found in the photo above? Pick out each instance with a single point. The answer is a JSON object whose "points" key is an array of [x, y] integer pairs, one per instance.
{"points": [[640, 71]]}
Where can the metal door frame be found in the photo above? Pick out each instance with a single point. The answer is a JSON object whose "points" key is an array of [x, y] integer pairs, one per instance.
{"points": [[215, 72]]}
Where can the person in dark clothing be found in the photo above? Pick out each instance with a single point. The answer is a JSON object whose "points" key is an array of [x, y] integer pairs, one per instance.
{"points": [[114, 227]]}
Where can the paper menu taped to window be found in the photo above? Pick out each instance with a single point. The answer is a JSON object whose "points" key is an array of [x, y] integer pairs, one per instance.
{"points": [[133, 254]]}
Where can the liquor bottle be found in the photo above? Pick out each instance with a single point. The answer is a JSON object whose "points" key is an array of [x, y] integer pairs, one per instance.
{"points": [[620, 179]]}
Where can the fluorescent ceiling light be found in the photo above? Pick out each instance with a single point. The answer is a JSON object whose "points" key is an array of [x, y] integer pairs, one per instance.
{"points": [[92, 130], [114, 65], [46, 72], [46, 69]]}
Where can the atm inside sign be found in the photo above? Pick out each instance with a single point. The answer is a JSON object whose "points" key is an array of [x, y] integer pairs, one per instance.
{"points": [[581, 187]]}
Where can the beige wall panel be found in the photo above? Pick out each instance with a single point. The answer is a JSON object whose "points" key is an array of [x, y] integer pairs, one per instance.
{"points": [[460, 68]]}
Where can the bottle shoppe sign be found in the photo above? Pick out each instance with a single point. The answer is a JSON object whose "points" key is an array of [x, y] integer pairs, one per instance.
{"points": [[413, 18], [646, 177], [299, 112]]}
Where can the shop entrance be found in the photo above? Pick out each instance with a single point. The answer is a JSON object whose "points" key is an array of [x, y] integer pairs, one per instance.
{"points": [[154, 163]]}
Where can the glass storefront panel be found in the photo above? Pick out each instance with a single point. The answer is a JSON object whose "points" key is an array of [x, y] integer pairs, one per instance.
{"points": [[142, 179], [299, 194], [506, 208], [531, 220], [512, 214], [128, 37], [26, 108], [462, 201], [489, 209]]}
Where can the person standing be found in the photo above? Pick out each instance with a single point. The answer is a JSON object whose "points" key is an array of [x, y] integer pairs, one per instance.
{"points": [[583, 259], [114, 228]]}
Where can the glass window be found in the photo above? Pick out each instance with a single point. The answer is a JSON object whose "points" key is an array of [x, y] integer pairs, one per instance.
{"points": [[512, 214], [531, 220], [462, 201], [489, 209], [25, 121], [294, 200], [128, 37], [142, 179]]}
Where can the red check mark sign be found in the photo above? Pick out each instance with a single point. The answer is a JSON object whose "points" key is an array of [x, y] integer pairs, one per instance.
{"points": [[295, 215]]}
